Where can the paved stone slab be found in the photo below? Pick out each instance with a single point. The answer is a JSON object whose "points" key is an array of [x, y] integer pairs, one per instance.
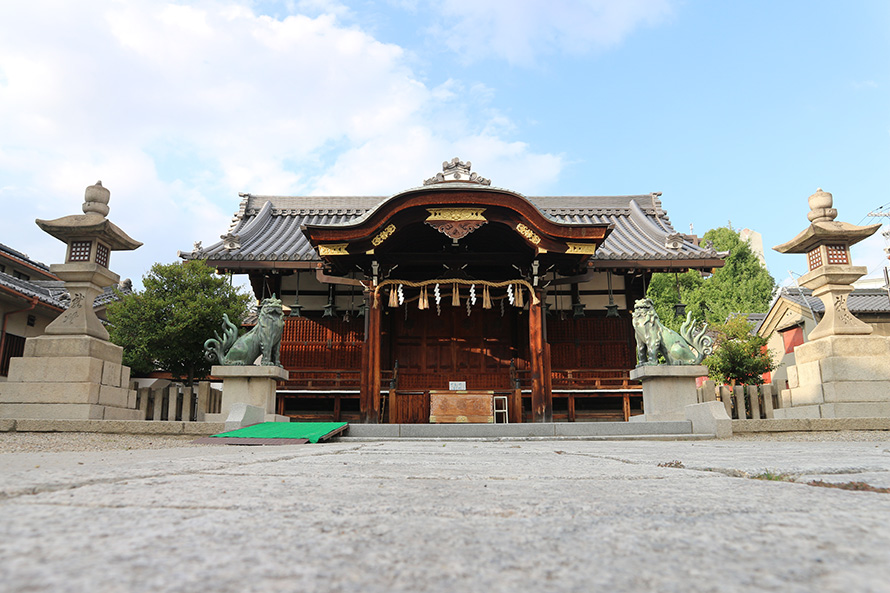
{"points": [[446, 516]]}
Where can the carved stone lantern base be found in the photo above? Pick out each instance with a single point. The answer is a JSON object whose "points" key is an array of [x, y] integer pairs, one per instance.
{"points": [[251, 385], [84, 281], [69, 378], [832, 284], [839, 377]]}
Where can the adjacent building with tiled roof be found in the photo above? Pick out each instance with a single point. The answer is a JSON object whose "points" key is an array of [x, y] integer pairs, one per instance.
{"points": [[31, 297]]}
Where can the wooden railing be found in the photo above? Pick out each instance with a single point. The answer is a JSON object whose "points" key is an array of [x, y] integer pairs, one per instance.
{"points": [[583, 379], [329, 379]]}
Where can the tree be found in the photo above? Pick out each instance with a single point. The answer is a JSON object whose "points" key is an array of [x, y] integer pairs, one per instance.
{"points": [[739, 356], [164, 326], [742, 285]]}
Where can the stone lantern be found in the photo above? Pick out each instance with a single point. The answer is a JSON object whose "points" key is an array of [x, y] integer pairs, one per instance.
{"points": [[843, 370], [73, 372], [90, 238], [827, 245]]}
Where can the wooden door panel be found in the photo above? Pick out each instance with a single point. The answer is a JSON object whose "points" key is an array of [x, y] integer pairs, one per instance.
{"points": [[454, 347]]}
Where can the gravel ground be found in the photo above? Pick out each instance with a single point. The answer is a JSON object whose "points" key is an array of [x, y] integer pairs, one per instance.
{"points": [[816, 436], [53, 442], [47, 442]]}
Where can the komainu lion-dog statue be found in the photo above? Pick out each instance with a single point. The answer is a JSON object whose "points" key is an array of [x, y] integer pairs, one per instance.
{"points": [[653, 338], [263, 340]]}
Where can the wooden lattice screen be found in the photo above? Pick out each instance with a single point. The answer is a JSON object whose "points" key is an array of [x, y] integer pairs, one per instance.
{"points": [[591, 343], [328, 343]]}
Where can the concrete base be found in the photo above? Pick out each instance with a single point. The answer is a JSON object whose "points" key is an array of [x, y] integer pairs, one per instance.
{"points": [[251, 385], [222, 418], [839, 377], [529, 430], [667, 390], [69, 377], [710, 418]]}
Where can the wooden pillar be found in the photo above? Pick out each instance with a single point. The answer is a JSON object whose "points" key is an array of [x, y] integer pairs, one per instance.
{"points": [[515, 407], [542, 400], [369, 402]]}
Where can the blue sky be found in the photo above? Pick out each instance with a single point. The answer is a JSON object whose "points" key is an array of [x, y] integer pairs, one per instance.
{"points": [[736, 111]]}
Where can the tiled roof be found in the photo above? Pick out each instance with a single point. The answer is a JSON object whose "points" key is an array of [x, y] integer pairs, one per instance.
{"points": [[29, 290], [10, 252], [53, 292], [268, 227], [861, 300]]}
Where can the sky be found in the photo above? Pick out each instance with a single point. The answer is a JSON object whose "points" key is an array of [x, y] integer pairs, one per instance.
{"points": [[735, 111]]}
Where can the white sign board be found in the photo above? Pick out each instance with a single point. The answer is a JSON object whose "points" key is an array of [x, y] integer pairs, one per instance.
{"points": [[457, 385]]}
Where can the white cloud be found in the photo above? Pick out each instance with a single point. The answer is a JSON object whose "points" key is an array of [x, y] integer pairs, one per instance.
{"points": [[520, 30], [176, 107]]}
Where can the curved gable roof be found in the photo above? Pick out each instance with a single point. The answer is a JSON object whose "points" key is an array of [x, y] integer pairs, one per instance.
{"points": [[642, 234]]}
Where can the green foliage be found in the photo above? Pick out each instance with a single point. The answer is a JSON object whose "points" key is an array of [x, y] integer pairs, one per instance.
{"points": [[164, 326], [742, 285], [739, 357]]}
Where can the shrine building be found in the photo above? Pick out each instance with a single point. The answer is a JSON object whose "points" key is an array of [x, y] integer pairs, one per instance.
{"points": [[456, 287]]}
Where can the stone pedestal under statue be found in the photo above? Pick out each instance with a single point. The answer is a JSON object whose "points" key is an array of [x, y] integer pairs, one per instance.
{"points": [[842, 371], [250, 385], [73, 372], [667, 390]]}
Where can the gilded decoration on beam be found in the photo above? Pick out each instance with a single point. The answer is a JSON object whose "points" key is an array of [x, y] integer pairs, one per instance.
{"points": [[581, 248], [333, 249], [456, 214], [456, 223], [383, 235], [528, 234]]}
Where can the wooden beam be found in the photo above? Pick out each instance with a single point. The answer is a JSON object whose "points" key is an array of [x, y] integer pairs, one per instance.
{"points": [[542, 403], [369, 398]]}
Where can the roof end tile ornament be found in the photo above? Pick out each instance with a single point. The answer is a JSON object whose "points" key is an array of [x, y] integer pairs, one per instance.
{"points": [[456, 170], [231, 241]]}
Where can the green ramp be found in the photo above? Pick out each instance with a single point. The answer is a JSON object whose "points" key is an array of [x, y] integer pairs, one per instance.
{"points": [[278, 433]]}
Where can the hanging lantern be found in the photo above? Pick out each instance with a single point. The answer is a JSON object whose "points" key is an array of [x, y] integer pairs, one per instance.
{"points": [[611, 308], [363, 308], [329, 308], [296, 308], [486, 298]]}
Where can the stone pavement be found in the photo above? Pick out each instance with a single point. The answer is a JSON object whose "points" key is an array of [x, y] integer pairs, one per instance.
{"points": [[452, 516]]}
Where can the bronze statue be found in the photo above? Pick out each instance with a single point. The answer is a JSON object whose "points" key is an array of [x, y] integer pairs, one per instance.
{"points": [[264, 339], [653, 338]]}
